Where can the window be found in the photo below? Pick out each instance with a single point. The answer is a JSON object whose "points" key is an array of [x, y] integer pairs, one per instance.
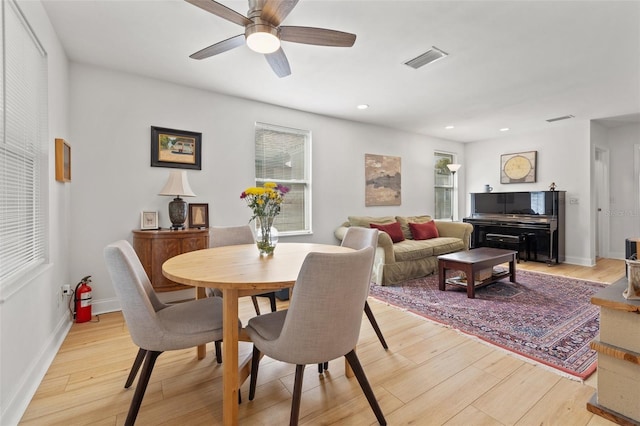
{"points": [[283, 156], [443, 186], [23, 129]]}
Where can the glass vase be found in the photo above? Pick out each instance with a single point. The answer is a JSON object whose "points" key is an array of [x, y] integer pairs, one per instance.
{"points": [[266, 235]]}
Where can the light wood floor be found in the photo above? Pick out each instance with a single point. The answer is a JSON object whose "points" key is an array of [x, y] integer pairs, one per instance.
{"points": [[431, 375]]}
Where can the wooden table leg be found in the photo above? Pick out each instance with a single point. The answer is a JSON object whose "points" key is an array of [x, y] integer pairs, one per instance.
{"points": [[202, 349], [471, 281], [512, 269], [230, 375], [441, 275]]}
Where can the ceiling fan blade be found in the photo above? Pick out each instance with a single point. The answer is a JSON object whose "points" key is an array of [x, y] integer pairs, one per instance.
{"points": [[274, 11], [317, 36], [220, 47], [279, 63], [222, 11]]}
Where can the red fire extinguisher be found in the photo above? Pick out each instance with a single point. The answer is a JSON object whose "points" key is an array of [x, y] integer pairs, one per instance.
{"points": [[82, 312]]}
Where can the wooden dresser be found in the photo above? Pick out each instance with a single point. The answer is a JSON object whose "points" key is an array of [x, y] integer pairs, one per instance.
{"points": [[155, 247], [618, 396]]}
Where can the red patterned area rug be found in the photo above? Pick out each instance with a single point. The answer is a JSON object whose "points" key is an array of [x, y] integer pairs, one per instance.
{"points": [[543, 317]]}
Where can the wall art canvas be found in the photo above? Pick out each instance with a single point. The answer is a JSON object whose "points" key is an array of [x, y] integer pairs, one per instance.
{"points": [[383, 180]]}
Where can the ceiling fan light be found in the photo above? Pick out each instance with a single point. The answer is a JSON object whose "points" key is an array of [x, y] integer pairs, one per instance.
{"points": [[262, 41]]}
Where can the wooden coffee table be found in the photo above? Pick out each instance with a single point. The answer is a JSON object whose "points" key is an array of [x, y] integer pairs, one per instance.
{"points": [[476, 260]]}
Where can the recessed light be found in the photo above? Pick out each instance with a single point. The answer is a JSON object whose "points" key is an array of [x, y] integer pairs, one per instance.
{"points": [[450, 127], [504, 129], [363, 106]]}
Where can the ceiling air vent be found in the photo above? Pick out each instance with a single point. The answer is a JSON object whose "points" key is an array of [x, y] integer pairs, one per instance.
{"points": [[427, 57], [564, 117]]}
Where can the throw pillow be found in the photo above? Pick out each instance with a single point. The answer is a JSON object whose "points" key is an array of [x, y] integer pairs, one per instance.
{"points": [[424, 231], [405, 220], [393, 229]]}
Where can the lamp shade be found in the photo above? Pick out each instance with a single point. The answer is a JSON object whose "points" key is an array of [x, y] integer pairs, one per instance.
{"points": [[454, 167], [177, 185]]}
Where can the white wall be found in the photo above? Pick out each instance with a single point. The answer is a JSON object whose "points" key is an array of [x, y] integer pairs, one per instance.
{"points": [[33, 317], [624, 212], [113, 182], [563, 158]]}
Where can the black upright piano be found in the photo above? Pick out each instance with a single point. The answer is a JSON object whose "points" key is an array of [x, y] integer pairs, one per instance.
{"points": [[530, 222]]}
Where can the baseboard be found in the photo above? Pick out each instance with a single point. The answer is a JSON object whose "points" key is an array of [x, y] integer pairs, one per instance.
{"points": [[582, 261], [105, 305], [22, 394]]}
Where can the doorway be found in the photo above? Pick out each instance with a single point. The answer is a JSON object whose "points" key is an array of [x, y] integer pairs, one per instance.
{"points": [[602, 202]]}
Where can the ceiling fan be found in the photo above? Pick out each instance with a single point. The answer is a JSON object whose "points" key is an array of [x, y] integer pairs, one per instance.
{"points": [[263, 33]]}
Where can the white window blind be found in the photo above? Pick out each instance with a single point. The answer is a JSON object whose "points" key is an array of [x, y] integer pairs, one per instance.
{"points": [[23, 126], [443, 185], [283, 156]]}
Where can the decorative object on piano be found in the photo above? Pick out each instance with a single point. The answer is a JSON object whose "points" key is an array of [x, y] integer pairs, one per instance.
{"points": [[633, 279], [552, 187], [265, 203], [149, 220], [453, 168], [383, 179], [177, 186], [519, 167], [488, 188], [199, 216]]}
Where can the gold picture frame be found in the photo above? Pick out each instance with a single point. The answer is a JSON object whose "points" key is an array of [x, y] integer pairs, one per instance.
{"points": [[519, 167], [63, 161]]}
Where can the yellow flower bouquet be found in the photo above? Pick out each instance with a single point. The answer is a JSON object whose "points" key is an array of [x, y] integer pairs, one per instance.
{"points": [[265, 203]]}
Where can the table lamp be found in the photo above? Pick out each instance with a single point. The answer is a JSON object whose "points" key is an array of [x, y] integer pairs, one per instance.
{"points": [[177, 186]]}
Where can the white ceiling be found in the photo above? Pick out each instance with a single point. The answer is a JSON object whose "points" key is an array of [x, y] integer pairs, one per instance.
{"points": [[511, 63]]}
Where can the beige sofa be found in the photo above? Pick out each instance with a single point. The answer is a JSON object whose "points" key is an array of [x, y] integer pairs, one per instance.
{"points": [[408, 259]]}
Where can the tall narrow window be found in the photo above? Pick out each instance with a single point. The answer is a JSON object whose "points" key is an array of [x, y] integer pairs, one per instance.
{"points": [[443, 185], [23, 126], [283, 156]]}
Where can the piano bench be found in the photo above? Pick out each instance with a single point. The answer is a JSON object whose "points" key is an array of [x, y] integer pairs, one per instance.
{"points": [[509, 242]]}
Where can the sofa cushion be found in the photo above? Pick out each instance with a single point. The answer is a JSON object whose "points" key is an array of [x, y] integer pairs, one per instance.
{"points": [[408, 250], [423, 231], [364, 221], [393, 229], [405, 220]]}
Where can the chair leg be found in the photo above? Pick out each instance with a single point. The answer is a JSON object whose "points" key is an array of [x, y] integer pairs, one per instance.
{"points": [[374, 324], [254, 299], [297, 396], [135, 367], [149, 362], [218, 344], [272, 300], [352, 358], [323, 366], [255, 360]]}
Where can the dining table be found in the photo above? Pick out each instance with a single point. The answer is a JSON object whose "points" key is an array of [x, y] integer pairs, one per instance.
{"points": [[238, 271]]}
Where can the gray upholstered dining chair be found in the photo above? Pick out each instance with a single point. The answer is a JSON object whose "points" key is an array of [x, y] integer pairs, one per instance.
{"points": [[358, 237], [221, 236], [156, 327], [322, 323]]}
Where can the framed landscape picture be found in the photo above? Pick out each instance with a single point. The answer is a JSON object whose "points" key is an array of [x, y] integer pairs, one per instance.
{"points": [[179, 149], [383, 180]]}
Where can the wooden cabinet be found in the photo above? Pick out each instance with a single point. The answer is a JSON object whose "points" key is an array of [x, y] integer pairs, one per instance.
{"points": [[155, 247], [618, 350]]}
